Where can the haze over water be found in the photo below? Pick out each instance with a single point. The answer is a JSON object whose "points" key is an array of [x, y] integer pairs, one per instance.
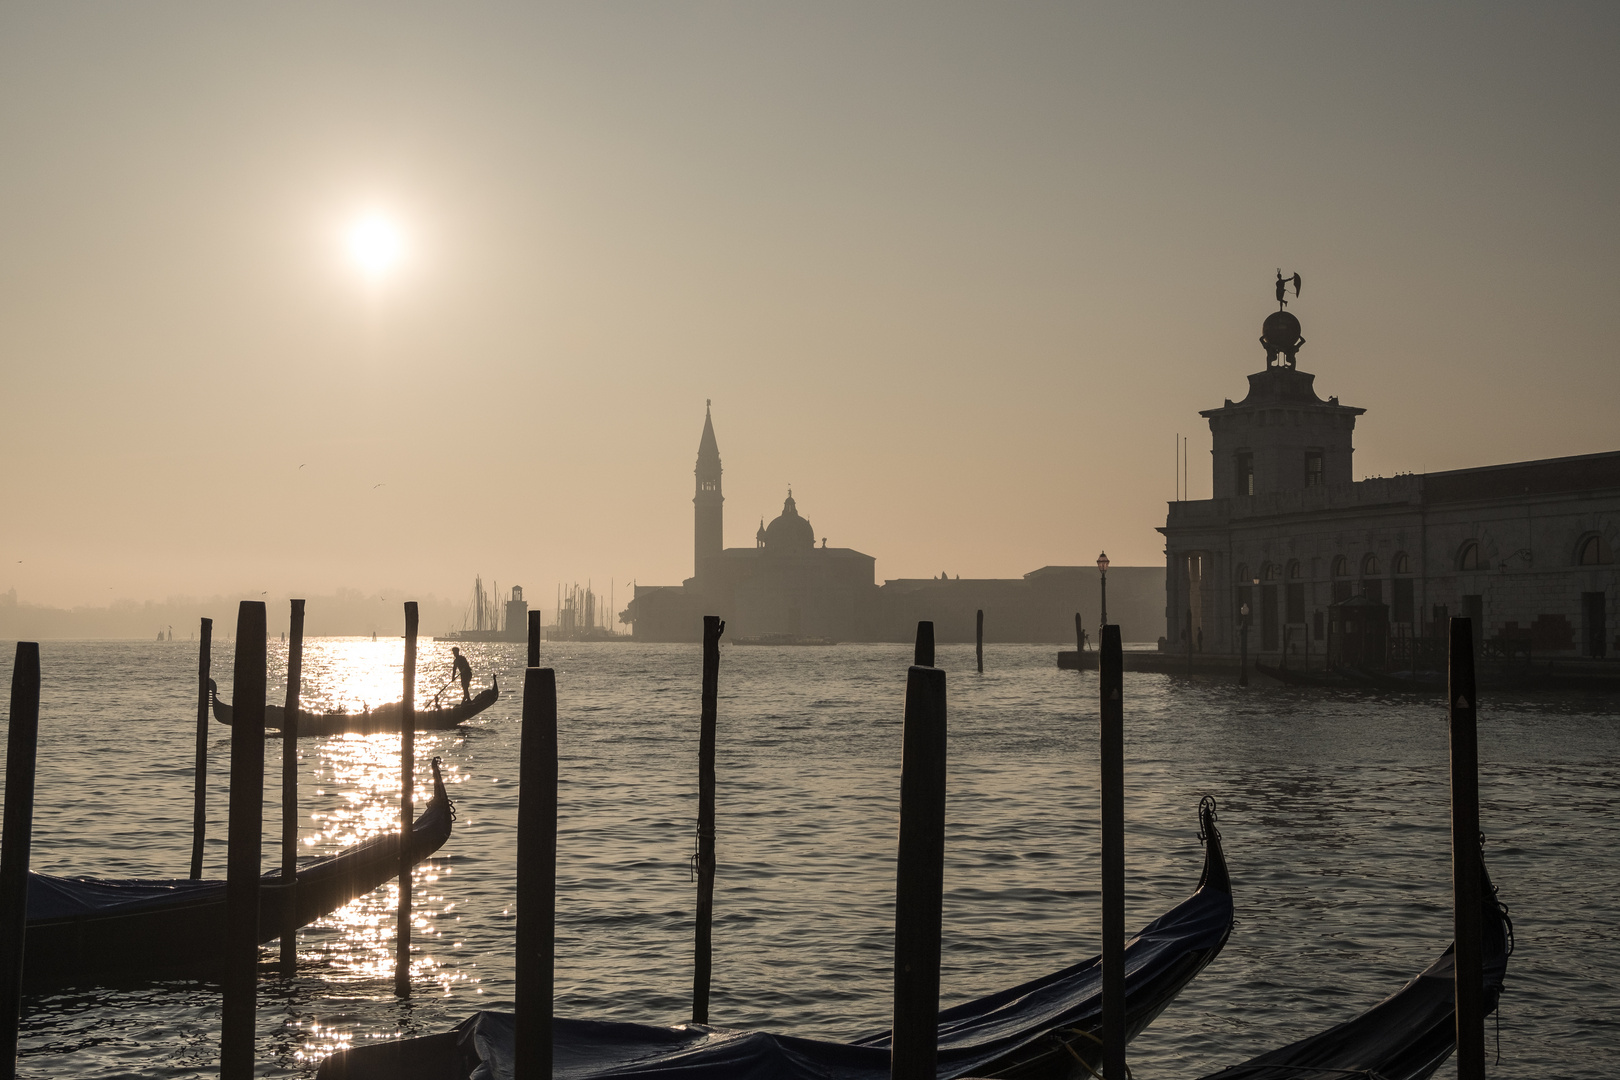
{"points": [[1333, 810]]}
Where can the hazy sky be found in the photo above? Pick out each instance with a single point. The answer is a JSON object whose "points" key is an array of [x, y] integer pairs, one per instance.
{"points": [[958, 273]]}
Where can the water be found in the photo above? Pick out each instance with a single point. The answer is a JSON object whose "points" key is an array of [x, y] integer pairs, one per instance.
{"points": [[1333, 807]]}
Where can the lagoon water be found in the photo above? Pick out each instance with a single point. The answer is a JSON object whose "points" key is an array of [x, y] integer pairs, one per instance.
{"points": [[1332, 805]]}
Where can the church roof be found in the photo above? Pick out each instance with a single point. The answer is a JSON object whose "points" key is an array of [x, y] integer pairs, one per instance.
{"points": [[789, 532]]}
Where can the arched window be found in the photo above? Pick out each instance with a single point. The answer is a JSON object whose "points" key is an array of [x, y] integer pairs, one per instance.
{"points": [[1468, 555], [1341, 566], [1268, 572], [1400, 564], [1293, 570], [1593, 550], [1369, 565], [1243, 573]]}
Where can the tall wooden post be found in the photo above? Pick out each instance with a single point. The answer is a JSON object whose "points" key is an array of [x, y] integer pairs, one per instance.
{"points": [[536, 876], [199, 775], [407, 784], [703, 952], [289, 791], [1079, 634], [923, 654], [978, 641], [920, 878], [534, 639], [244, 832], [22, 745], [1465, 884], [1111, 666]]}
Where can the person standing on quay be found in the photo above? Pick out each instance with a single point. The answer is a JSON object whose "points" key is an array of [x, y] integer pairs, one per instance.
{"points": [[462, 670]]}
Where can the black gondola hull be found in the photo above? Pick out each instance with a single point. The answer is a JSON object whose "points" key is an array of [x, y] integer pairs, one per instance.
{"points": [[182, 934]]}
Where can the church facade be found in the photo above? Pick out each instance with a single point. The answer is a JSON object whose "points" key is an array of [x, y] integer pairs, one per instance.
{"points": [[1296, 550], [789, 587]]}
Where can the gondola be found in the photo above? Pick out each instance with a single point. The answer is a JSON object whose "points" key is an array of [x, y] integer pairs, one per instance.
{"points": [[1044, 1028], [384, 718], [1409, 1034], [83, 930]]}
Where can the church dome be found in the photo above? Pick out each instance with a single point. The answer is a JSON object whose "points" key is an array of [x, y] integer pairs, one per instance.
{"points": [[789, 532]]}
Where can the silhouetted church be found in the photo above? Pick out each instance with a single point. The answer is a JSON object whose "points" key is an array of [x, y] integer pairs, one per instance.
{"points": [[789, 586]]}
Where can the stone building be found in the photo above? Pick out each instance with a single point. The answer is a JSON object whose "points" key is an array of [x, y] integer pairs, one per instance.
{"points": [[789, 586], [1524, 549]]}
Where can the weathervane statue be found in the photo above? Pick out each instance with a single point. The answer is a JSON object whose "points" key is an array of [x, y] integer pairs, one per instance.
{"points": [[1280, 335], [1282, 288]]}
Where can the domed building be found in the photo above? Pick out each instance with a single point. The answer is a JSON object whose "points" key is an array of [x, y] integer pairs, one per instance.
{"points": [[785, 586], [791, 586]]}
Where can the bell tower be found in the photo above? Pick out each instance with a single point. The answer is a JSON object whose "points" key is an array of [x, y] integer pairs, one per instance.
{"points": [[708, 515]]}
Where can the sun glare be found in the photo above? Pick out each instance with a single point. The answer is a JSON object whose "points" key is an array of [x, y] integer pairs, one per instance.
{"points": [[376, 244]]}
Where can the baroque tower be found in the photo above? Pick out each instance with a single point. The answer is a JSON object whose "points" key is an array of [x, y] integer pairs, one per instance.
{"points": [[708, 516]]}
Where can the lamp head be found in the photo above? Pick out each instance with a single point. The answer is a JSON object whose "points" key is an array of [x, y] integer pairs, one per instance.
{"points": [[1102, 563]]}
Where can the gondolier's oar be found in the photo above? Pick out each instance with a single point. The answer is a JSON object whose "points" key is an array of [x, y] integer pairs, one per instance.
{"points": [[22, 744]]}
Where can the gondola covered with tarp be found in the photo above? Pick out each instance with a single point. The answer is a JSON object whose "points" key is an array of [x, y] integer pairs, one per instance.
{"points": [[1043, 1028], [85, 929], [1408, 1035], [383, 719]]}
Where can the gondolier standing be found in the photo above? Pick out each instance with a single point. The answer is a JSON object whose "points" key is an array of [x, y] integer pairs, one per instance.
{"points": [[462, 670]]}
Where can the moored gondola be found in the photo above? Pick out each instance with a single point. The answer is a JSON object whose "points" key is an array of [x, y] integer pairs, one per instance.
{"points": [[1044, 1028], [384, 718], [83, 930], [1409, 1034]]}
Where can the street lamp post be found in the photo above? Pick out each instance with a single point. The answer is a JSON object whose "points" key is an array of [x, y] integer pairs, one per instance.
{"points": [[1102, 570], [1243, 637]]}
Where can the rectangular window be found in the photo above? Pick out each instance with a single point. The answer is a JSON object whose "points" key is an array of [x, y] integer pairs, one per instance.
{"points": [[1296, 602], [1313, 468], [1245, 473], [1268, 617], [1341, 591], [1401, 588], [1597, 624], [1373, 589], [1316, 625]]}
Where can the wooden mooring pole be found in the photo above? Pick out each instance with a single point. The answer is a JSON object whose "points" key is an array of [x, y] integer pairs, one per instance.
{"points": [[923, 654], [1079, 634], [534, 639], [243, 839], [536, 875], [289, 791], [920, 878], [407, 783], [1111, 668], [978, 641], [703, 952], [199, 781], [1465, 861], [22, 745]]}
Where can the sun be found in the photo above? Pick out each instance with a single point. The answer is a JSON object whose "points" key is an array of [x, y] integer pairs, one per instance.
{"points": [[376, 244]]}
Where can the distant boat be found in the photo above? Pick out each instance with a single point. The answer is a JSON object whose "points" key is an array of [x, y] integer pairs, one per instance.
{"points": [[1045, 1028], [84, 929], [384, 718]]}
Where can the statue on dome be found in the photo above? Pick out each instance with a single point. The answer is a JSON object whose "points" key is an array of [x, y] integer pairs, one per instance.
{"points": [[1282, 288]]}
